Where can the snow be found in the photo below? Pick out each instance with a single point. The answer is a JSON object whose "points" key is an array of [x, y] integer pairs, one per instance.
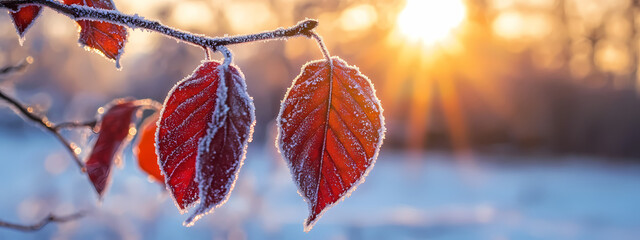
{"points": [[408, 196]]}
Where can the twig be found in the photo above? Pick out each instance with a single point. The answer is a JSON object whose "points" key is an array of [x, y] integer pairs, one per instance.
{"points": [[90, 124], [48, 219], [19, 67], [28, 113], [78, 12]]}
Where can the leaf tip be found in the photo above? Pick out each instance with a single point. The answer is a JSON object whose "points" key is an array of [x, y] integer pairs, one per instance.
{"points": [[23, 17], [310, 222], [118, 66], [197, 215]]}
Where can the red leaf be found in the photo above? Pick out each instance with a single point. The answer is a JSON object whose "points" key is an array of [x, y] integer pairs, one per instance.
{"points": [[330, 130], [145, 149], [24, 17], [106, 38], [204, 128], [114, 133]]}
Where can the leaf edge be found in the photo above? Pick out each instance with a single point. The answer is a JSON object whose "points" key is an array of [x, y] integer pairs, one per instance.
{"points": [[278, 141]]}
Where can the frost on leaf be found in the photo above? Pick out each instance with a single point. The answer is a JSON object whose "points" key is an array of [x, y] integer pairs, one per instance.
{"points": [[24, 17], [114, 127], [330, 129], [204, 128], [145, 149], [106, 38]]}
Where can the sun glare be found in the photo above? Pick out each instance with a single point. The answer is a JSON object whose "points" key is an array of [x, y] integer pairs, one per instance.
{"points": [[431, 21]]}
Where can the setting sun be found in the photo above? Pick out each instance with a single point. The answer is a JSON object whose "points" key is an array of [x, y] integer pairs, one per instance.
{"points": [[430, 21]]}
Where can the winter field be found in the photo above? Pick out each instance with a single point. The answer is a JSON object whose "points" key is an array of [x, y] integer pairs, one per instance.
{"points": [[406, 196]]}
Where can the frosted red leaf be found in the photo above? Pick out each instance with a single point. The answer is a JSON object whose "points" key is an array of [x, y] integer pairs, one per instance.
{"points": [[24, 17], [106, 38], [145, 149], [114, 133], [204, 128], [330, 129]]}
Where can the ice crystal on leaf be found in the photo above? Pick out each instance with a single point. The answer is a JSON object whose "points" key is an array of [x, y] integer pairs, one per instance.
{"points": [[204, 128], [24, 17], [330, 129], [106, 38]]}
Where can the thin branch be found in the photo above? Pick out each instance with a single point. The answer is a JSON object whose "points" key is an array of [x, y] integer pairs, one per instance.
{"points": [[44, 122], [78, 12], [90, 124], [15, 68], [37, 226]]}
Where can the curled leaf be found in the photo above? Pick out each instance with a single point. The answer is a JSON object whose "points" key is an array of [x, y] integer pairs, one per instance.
{"points": [[114, 133], [106, 38], [204, 128], [330, 129]]}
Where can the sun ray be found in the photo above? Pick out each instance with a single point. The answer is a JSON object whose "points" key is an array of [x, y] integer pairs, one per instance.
{"points": [[422, 94]]}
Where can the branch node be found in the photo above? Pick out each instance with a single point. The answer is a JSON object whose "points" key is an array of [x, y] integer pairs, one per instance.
{"points": [[307, 27]]}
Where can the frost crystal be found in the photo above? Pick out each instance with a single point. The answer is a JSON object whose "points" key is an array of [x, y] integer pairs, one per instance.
{"points": [[331, 128], [203, 133]]}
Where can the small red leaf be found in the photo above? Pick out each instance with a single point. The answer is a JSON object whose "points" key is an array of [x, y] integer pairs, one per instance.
{"points": [[114, 133], [106, 38], [23, 18], [204, 128], [330, 131], [145, 149]]}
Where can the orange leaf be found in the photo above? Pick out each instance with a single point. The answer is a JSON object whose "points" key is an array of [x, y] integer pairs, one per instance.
{"points": [[114, 133], [204, 128], [23, 18], [106, 38], [145, 149], [330, 131]]}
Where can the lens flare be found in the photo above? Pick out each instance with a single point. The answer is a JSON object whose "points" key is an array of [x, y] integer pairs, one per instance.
{"points": [[431, 21]]}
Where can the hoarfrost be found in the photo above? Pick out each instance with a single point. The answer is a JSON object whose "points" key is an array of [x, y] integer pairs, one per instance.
{"points": [[183, 122], [330, 129], [221, 151]]}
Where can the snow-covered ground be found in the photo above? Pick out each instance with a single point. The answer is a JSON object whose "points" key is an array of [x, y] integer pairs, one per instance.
{"points": [[406, 196]]}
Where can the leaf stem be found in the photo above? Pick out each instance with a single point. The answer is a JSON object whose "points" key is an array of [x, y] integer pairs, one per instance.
{"points": [[228, 57], [207, 54], [37, 226], [323, 47], [78, 12]]}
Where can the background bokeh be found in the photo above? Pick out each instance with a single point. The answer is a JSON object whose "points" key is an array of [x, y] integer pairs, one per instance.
{"points": [[506, 119]]}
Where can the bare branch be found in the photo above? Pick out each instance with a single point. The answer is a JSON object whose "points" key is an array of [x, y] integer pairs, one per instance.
{"points": [[15, 68], [90, 124], [44, 122], [78, 12], [48, 219]]}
